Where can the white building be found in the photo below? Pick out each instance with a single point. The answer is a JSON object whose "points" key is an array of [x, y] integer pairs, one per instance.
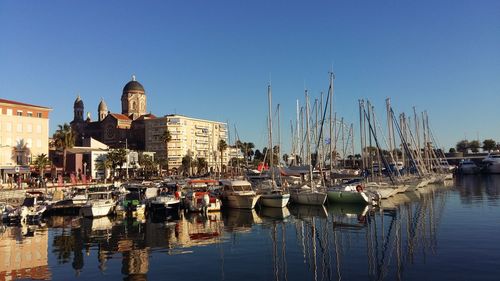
{"points": [[197, 137]]}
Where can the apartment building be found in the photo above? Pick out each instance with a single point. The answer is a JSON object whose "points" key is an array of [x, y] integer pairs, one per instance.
{"points": [[24, 133], [197, 137]]}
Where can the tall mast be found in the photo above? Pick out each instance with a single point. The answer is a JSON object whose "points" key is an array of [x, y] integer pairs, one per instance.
{"points": [[330, 92], [297, 128], [279, 136], [271, 153], [308, 140]]}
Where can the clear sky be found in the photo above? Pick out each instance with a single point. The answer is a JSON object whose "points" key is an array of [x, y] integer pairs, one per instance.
{"points": [[213, 59]]}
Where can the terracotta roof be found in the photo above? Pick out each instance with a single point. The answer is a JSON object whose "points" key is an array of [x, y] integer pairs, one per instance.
{"points": [[20, 103], [120, 116], [147, 116]]}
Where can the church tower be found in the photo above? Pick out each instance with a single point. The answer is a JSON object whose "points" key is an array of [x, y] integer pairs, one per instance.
{"points": [[78, 109], [102, 110], [133, 99]]}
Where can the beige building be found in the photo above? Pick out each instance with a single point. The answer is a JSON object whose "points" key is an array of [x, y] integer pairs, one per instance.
{"points": [[24, 133], [198, 137]]}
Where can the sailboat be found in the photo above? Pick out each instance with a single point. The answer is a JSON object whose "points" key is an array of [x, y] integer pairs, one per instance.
{"points": [[308, 194], [272, 196]]}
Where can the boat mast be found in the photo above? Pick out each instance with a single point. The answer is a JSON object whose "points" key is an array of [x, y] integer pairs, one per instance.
{"points": [[330, 93], [270, 127], [308, 140]]}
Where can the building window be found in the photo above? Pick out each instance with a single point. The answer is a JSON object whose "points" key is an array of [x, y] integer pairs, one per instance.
{"points": [[19, 113], [9, 111], [38, 143], [38, 129], [8, 127], [30, 114], [29, 128], [19, 128], [39, 115]]}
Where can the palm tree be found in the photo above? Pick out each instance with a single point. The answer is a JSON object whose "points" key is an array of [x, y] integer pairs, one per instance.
{"points": [[166, 137], [64, 139], [221, 146], [41, 162], [21, 153]]}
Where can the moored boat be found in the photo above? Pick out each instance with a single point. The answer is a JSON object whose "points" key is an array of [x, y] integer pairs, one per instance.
{"points": [[99, 204], [238, 194]]}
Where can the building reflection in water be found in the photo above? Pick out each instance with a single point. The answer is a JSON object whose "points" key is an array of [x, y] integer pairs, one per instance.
{"points": [[23, 253], [477, 189]]}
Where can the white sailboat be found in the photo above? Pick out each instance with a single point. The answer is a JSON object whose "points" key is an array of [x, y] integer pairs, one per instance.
{"points": [[272, 196], [307, 194]]}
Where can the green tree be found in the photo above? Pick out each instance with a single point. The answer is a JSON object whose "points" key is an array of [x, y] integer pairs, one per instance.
{"points": [[103, 164], [489, 145], [147, 164], [117, 157], [186, 163], [221, 147], [462, 146], [166, 137], [202, 165], [452, 150], [474, 146], [64, 139], [41, 161], [21, 153]]}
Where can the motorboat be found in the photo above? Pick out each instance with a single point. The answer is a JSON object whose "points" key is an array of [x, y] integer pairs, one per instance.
{"points": [[167, 202], [491, 164], [31, 210], [132, 204], [99, 204], [467, 166], [238, 194], [201, 196]]}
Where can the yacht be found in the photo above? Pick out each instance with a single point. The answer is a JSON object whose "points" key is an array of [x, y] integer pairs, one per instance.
{"points": [[238, 194], [492, 163], [98, 204], [31, 210]]}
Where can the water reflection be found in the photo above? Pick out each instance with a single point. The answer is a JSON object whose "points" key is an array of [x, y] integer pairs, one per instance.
{"points": [[23, 253], [476, 189], [349, 242]]}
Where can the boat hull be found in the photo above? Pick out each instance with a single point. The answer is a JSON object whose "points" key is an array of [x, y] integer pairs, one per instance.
{"points": [[351, 197], [308, 198], [100, 210], [274, 200], [240, 201], [492, 168]]}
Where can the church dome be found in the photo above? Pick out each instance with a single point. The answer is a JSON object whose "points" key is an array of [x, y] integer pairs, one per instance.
{"points": [[102, 106], [78, 102], [133, 86]]}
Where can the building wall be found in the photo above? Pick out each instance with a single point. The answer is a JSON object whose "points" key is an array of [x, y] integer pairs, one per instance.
{"points": [[198, 136], [22, 122]]}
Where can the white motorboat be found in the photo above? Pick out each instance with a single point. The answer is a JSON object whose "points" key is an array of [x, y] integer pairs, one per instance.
{"points": [[167, 203], [31, 210], [492, 163], [467, 166], [238, 194], [98, 204]]}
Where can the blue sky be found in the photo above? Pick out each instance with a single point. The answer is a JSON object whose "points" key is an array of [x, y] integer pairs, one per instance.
{"points": [[213, 59]]}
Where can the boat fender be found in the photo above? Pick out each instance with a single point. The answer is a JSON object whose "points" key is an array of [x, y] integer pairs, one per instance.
{"points": [[359, 188]]}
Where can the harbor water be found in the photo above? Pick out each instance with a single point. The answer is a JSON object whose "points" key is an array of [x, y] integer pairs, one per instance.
{"points": [[440, 232]]}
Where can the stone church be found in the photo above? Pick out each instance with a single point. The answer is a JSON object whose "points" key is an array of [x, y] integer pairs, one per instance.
{"points": [[115, 129]]}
